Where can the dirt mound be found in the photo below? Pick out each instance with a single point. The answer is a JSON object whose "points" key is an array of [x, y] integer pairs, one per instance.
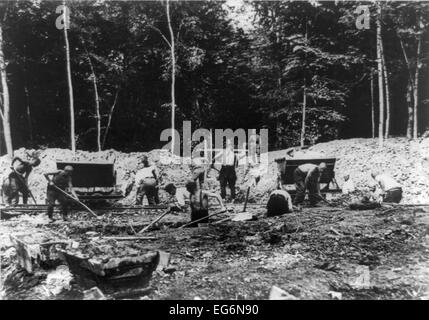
{"points": [[406, 161]]}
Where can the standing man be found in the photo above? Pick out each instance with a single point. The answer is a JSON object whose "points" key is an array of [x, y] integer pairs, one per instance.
{"points": [[199, 202], [307, 177], [147, 180], [61, 179], [391, 191], [17, 181], [227, 175]]}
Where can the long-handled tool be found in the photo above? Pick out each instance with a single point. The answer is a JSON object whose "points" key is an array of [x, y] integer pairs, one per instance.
{"points": [[25, 185], [155, 221], [203, 218], [323, 199], [73, 198]]}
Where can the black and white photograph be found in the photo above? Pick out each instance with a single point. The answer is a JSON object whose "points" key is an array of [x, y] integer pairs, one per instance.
{"points": [[214, 150]]}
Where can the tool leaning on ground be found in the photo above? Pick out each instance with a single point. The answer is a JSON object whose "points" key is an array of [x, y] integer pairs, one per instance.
{"points": [[155, 221], [73, 198], [25, 185]]}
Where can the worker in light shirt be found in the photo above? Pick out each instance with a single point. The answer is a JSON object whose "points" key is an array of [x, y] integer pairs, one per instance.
{"points": [[147, 182], [391, 191]]}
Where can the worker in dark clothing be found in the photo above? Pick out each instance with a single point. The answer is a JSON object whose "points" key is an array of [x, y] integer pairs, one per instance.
{"points": [[17, 180], [279, 202], [61, 179], [198, 200], [227, 175], [307, 177]]}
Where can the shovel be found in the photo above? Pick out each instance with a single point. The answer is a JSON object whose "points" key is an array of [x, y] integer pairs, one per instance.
{"points": [[155, 221], [73, 198], [26, 186]]}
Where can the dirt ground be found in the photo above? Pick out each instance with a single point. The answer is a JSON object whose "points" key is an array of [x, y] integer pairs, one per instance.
{"points": [[316, 253]]}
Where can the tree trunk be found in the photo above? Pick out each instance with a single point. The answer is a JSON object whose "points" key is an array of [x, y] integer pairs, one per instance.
{"points": [[372, 104], [173, 77], [304, 100], [416, 87], [28, 111], [410, 109], [386, 86], [97, 103], [5, 113], [110, 119], [69, 81], [380, 78], [304, 106]]}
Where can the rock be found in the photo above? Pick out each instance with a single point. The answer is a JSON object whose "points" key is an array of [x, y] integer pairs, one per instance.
{"points": [[58, 280], [279, 294], [164, 260], [93, 294], [335, 295], [362, 278], [169, 269]]}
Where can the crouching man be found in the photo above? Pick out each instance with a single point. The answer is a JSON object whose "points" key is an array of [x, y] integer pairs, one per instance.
{"points": [[178, 197], [199, 202], [57, 185], [391, 191], [307, 177], [279, 202]]}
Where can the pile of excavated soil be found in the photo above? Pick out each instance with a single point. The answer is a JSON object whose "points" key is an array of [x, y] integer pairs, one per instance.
{"points": [[407, 161]]}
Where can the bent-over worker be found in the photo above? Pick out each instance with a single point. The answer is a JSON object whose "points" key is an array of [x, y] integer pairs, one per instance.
{"points": [[17, 180], [307, 177], [147, 182], [391, 191], [61, 179], [279, 202]]}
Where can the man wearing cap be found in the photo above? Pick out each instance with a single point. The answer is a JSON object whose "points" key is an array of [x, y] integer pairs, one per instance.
{"points": [[391, 191], [307, 177], [17, 180], [61, 179]]}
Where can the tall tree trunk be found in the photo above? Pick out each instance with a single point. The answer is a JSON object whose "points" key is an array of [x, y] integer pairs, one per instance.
{"points": [[304, 100], [69, 81], [416, 86], [110, 119], [28, 111], [97, 102], [5, 112], [380, 78], [409, 109], [387, 91], [372, 104], [173, 77], [410, 91], [304, 107]]}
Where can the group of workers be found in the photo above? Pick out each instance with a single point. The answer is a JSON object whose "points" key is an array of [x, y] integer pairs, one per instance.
{"points": [[147, 181]]}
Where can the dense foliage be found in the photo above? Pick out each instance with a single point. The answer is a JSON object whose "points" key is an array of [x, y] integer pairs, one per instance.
{"points": [[226, 76]]}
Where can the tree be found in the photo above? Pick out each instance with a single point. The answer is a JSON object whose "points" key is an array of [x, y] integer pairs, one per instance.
{"points": [[69, 78], [5, 101], [380, 78], [173, 75]]}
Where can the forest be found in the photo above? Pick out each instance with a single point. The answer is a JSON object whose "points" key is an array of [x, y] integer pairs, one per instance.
{"points": [[95, 75]]}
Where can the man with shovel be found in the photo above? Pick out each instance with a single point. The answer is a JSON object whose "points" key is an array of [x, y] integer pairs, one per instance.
{"points": [[17, 180], [61, 180], [307, 177]]}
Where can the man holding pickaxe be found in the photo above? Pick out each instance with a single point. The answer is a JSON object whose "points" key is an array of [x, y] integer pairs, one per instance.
{"points": [[60, 181], [17, 181]]}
